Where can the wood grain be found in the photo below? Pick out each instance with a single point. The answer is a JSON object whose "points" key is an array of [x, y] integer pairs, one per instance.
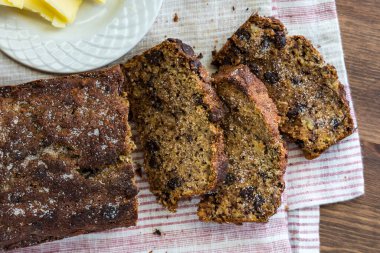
{"points": [[355, 226]]}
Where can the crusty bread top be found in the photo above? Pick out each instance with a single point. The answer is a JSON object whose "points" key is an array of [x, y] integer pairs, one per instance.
{"points": [[65, 165], [256, 91], [64, 111], [242, 77]]}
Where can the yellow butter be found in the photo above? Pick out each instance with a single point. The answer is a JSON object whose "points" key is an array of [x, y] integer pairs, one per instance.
{"points": [[58, 12], [66, 9], [6, 3], [45, 11], [100, 1], [17, 3], [57, 22]]}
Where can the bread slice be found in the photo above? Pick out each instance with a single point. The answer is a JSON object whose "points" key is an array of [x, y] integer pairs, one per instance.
{"points": [[175, 108], [65, 158], [310, 99], [252, 188]]}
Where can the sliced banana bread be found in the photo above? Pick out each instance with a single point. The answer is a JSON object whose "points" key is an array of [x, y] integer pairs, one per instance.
{"points": [[310, 99], [175, 108], [252, 188], [65, 165]]}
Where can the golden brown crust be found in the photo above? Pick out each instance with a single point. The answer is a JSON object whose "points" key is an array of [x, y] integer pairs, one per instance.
{"points": [[310, 99], [219, 159], [65, 166], [243, 78], [251, 190], [174, 107]]}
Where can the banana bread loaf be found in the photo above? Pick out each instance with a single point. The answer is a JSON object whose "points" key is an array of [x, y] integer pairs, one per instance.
{"points": [[310, 99], [252, 188], [175, 108], [65, 165]]}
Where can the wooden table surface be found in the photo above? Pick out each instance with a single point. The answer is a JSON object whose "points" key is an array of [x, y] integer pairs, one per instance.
{"points": [[354, 226]]}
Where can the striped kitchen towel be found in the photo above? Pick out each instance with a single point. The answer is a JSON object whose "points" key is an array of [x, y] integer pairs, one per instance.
{"points": [[335, 176]]}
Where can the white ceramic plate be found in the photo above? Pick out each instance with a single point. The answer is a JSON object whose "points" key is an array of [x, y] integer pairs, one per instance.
{"points": [[100, 35]]}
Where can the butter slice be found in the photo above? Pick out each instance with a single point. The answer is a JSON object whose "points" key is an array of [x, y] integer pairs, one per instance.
{"points": [[6, 3], [58, 12], [17, 3], [66, 9], [36, 6], [45, 12]]}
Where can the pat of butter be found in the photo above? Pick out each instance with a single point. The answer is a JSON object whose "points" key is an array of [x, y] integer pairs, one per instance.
{"points": [[45, 12], [58, 12], [17, 3], [66, 9], [6, 3]]}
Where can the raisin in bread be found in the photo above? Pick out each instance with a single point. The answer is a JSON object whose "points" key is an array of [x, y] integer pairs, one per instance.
{"points": [[65, 165], [310, 99], [175, 107], [252, 188]]}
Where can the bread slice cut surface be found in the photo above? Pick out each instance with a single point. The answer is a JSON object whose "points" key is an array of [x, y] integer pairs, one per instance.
{"points": [[253, 184], [175, 109], [310, 99]]}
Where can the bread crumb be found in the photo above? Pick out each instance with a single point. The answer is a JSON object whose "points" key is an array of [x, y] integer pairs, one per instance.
{"points": [[200, 56], [233, 8], [138, 169], [175, 18], [157, 232]]}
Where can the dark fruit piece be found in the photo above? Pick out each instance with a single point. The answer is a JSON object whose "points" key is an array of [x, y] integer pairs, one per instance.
{"points": [[296, 110], [195, 65], [335, 123], [271, 77], [230, 179], [248, 192], [154, 162], [152, 146], [243, 34], [258, 201], [254, 68], [110, 212], [174, 183], [155, 57], [265, 43], [296, 81], [187, 49], [280, 40]]}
